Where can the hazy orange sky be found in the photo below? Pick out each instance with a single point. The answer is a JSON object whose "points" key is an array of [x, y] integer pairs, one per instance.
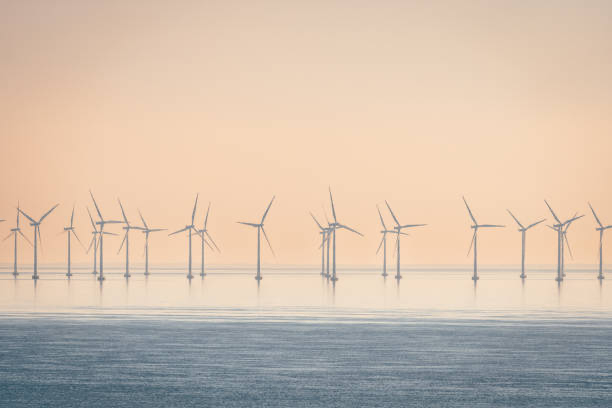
{"points": [[419, 103]]}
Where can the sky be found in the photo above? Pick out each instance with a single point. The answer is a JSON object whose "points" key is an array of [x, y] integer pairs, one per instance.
{"points": [[418, 103]]}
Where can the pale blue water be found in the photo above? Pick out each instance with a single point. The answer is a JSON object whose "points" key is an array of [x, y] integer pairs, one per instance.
{"points": [[296, 341]]}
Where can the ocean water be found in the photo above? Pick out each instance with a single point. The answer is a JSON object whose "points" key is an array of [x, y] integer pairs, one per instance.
{"points": [[295, 340]]}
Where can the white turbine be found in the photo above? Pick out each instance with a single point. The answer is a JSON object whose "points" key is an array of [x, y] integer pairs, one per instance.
{"points": [[101, 234], [398, 231], [474, 242], [561, 229], [146, 230], [14, 233], [601, 230], [203, 233], [333, 227], [324, 238], [260, 229], [70, 231], [190, 229], [37, 236], [523, 230], [126, 240]]}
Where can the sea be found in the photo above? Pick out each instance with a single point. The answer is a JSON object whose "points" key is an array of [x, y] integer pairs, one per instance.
{"points": [[432, 339]]}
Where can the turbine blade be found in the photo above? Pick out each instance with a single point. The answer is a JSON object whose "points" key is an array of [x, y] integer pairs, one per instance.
{"points": [[90, 245], [568, 245], [110, 233], [123, 213], [9, 235], [315, 220], [72, 218], [143, 220], [123, 241], [268, 241], [26, 215], [212, 240], [350, 229], [77, 237], [515, 219], [536, 223], [412, 225], [469, 211], [267, 209], [93, 224], [595, 215], [571, 220], [39, 238], [392, 214], [176, 232], [380, 245], [96, 205], [471, 243], [552, 212], [331, 199], [26, 238], [382, 221], [194, 208], [47, 213], [491, 226], [250, 224], [206, 218]]}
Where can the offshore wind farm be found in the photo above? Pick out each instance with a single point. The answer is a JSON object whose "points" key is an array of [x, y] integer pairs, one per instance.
{"points": [[305, 204]]}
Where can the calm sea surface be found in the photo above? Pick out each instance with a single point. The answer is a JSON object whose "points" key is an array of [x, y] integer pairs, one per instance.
{"points": [[297, 340]]}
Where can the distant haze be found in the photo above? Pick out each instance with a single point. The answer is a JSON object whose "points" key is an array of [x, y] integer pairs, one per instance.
{"points": [[419, 103]]}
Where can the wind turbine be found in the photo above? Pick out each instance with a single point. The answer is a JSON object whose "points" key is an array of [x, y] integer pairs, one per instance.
{"points": [[334, 226], [398, 230], [383, 241], [324, 232], [523, 230], [101, 234], [561, 228], [474, 242], [601, 230], [95, 240], [126, 240], [37, 236], [14, 232], [203, 233], [146, 230], [70, 231], [260, 229], [189, 228]]}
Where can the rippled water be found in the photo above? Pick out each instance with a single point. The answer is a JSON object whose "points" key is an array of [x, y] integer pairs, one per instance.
{"points": [[296, 340]]}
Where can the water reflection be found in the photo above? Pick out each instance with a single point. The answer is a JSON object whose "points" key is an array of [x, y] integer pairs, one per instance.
{"points": [[442, 293]]}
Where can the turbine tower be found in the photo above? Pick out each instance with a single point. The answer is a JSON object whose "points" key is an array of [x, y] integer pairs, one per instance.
{"points": [[37, 236], [15, 232], [95, 240], [260, 229], [601, 230], [474, 242], [398, 231], [203, 233], [70, 231], [561, 229], [334, 226], [523, 230], [324, 232], [101, 234], [146, 230], [189, 228], [383, 241], [126, 240]]}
